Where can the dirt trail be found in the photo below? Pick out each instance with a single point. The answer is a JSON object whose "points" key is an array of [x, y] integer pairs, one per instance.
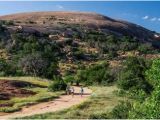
{"points": [[64, 101]]}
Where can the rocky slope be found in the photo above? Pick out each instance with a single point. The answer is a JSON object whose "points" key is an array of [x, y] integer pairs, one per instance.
{"points": [[50, 22], [72, 39]]}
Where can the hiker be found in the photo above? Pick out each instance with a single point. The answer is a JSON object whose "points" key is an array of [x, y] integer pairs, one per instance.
{"points": [[72, 91], [68, 90], [81, 91]]}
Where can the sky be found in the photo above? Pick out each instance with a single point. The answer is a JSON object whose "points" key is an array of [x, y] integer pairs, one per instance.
{"points": [[146, 13]]}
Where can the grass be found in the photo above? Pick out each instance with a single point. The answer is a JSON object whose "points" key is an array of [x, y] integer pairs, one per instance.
{"points": [[33, 80], [101, 102], [42, 94]]}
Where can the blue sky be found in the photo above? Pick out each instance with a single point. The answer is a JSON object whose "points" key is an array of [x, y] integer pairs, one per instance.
{"points": [[146, 14]]}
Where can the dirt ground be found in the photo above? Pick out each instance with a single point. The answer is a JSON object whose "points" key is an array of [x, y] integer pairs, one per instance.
{"points": [[13, 88]]}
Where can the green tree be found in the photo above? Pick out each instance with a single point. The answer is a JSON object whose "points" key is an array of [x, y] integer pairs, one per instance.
{"points": [[97, 74], [145, 48], [150, 108], [132, 75]]}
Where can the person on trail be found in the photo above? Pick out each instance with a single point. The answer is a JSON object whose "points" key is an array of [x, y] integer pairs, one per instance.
{"points": [[72, 91], [68, 90], [81, 91]]}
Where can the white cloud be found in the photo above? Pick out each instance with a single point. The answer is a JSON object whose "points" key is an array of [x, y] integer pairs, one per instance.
{"points": [[153, 19], [59, 6], [145, 17]]}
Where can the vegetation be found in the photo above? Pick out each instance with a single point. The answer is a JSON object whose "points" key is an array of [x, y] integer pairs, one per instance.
{"points": [[132, 75], [152, 102], [6, 22], [57, 85], [97, 74], [147, 107], [41, 90]]}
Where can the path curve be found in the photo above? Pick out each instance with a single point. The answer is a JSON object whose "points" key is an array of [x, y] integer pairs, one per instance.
{"points": [[64, 101]]}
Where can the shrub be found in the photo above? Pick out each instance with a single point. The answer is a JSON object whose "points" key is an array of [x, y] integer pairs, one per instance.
{"points": [[149, 109], [33, 64], [99, 115], [145, 48], [97, 74], [121, 111], [57, 85], [133, 75], [69, 79], [112, 54], [6, 68]]}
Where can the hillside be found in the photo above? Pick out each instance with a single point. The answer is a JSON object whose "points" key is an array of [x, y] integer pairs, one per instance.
{"points": [[62, 42], [42, 21]]}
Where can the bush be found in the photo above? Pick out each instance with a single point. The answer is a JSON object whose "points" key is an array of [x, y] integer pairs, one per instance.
{"points": [[133, 75], [6, 68], [6, 22], [69, 79], [97, 74], [33, 64], [57, 85], [145, 48], [112, 54], [150, 107], [99, 115], [121, 111]]}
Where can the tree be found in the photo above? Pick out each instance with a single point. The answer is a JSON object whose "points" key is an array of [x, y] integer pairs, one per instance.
{"points": [[57, 84], [33, 64], [150, 108], [6, 68], [153, 73], [97, 74], [133, 75], [145, 48]]}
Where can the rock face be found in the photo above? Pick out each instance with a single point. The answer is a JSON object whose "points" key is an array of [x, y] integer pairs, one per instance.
{"points": [[50, 21]]}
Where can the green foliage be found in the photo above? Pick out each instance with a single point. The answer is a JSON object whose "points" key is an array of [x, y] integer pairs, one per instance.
{"points": [[127, 43], [149, 109], [133, 75], [145, 48], [112, 54], [57, 85], [151, 106], [110, 44], [153, 74], [97, 74], [69, 79], [99, 115], [6, 22], [121, 111], [32, 55], [6, 69]]}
